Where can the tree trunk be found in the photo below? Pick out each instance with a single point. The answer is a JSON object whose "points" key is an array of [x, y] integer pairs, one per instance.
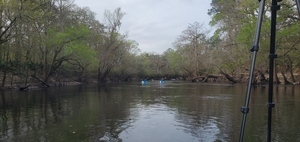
{"points": [[290, 68], [11, 79], [228, 77], [262, 78], [277, 80], [100, 79], [44, 83], [285, 78], [3, 79], [5, 69]]}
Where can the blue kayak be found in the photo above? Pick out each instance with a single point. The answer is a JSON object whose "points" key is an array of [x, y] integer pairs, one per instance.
{"points": [[144, 82]]}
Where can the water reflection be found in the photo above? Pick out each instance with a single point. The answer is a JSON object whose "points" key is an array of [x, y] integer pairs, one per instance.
{"points": [[174, 111], [4, 126]]}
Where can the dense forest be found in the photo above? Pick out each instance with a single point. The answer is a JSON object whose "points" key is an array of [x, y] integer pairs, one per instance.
{"points": [[56, 41]]}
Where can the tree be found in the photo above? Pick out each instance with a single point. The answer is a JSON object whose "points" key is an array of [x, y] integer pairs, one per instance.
{"points": [[9, 14], [235, 21], [287, 42], [192, 46], [175, 62], [111, 48], [127, 68]]}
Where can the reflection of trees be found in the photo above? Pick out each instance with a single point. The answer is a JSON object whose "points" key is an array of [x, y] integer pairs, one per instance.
{"points": [[4, 125], [78, 113], [206, 112], [16, 114], [114, 105], [286, 113], [27, 114], [70, 113], [56, 107]]}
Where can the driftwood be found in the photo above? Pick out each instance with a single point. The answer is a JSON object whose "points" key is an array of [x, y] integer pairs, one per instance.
{"points": [[210, 76], [24, 88], [196, 78], [229, 77], [44, 83], [204, 78]]}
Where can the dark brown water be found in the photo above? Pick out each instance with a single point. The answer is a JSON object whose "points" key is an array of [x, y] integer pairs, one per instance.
{"points": [[173, 112]]}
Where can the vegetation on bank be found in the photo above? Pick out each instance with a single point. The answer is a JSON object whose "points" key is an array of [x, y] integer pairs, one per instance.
{"points": [[53, 41]]}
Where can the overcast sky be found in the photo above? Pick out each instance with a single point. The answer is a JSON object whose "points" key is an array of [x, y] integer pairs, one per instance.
{"points": [[154, 24]]}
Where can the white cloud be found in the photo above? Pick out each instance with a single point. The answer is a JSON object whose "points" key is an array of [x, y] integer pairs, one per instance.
{"points": [[154, 24]]}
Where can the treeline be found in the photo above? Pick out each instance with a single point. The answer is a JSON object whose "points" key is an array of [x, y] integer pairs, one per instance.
{"points": [[236, 22], [51, 40], [54, 40]]}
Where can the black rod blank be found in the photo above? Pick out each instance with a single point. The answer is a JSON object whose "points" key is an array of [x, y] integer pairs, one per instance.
{"points": [[298, 6], [254, 50]]}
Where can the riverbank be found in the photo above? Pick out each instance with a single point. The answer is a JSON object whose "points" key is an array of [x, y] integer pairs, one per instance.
{"points": [[17, 83], [35, 86]]}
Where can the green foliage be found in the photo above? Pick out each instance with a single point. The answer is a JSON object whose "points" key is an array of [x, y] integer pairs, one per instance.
{"points": [[175, 61], [59, 38]]}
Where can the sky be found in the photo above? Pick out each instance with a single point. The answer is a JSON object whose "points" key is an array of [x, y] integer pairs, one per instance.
{"points": [[153, 24]]}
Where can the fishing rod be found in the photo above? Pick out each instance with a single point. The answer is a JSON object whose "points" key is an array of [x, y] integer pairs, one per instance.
{"points": [[245, 109], [254, 50], [274, 8], [298, 6]]}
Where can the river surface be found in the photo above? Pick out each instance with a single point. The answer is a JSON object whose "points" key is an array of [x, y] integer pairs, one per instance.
{"points": [[132, 112]]}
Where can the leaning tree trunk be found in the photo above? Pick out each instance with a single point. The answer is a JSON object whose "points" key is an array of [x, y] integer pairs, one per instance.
{"points": [[285, 78], [3, 79], [228, 77], [5, 69], [277, 80], [290, 68]]}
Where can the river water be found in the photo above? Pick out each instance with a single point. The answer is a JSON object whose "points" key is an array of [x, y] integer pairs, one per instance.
{"points": [[132, 112]]}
